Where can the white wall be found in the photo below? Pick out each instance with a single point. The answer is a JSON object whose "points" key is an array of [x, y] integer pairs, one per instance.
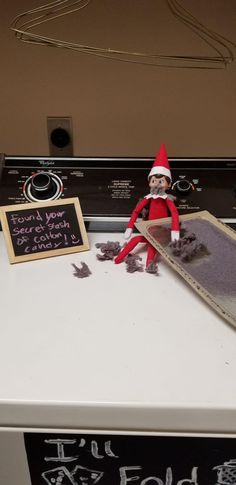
{"points": [[119, 108]]}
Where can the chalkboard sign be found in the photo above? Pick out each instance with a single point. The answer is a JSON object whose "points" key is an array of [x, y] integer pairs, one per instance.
{"points": [[113, 459], [39, 230]]}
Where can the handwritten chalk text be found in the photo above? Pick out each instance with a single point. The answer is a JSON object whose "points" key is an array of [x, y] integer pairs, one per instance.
{"points": [[42, 230]]}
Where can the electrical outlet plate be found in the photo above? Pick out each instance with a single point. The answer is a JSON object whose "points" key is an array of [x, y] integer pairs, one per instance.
{"points": [[60, 136]]}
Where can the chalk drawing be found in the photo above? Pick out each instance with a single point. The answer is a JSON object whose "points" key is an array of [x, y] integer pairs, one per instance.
{"points": [[226, 473], [78, 476]]}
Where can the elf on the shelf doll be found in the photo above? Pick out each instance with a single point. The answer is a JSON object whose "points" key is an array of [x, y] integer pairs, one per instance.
{"points": [[159, 205]]}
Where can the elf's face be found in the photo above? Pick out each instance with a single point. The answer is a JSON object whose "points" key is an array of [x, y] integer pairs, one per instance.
{"points": [[158, 182]]}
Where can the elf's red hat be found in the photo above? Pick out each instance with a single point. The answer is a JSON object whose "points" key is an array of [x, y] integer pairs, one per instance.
{"points": [[161, 164]]}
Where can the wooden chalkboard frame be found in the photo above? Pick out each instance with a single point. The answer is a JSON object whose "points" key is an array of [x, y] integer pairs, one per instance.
{"points": [[13, 258]]}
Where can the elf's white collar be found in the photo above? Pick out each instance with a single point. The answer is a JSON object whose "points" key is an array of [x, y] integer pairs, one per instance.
{"points": [[156, 196]]}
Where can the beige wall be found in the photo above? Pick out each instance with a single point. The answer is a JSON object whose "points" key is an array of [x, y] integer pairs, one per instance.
{"points": [[119, 108]]}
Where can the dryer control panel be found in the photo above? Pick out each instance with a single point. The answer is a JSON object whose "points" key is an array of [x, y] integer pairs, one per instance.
{"points": [[109, 188]]}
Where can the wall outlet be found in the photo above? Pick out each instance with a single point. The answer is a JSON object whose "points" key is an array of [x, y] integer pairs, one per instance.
{"points": [[60, 136]]}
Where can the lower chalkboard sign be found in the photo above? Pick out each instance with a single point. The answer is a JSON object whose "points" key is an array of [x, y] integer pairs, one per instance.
{"points": [[88, 459], [39, 230]]}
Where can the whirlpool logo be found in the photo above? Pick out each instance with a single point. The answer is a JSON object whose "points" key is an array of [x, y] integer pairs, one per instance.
{"points": [[47, 163]]}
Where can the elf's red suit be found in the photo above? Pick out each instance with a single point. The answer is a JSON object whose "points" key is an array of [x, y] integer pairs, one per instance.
{"points": [[159, 207], [159, 204]]}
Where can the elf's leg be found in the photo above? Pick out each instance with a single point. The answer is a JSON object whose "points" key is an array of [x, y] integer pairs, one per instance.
{"points": [[128, 248], [151, 255]]}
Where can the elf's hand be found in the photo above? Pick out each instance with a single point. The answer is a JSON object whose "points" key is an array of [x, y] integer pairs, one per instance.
{"points": [[128, 233], [174, 236]]}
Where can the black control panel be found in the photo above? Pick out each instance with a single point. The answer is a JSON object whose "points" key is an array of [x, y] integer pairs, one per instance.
{"points": [[109, 188]]}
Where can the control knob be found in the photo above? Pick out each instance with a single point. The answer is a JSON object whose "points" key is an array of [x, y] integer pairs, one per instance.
{"points": [[183, 186], [43, 186]]}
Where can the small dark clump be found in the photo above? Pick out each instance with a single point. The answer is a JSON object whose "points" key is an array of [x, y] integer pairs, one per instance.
{"points": [[144, 213], [133, 263], [152, 268], [82, 272], [187, 247], [109, 250]]}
